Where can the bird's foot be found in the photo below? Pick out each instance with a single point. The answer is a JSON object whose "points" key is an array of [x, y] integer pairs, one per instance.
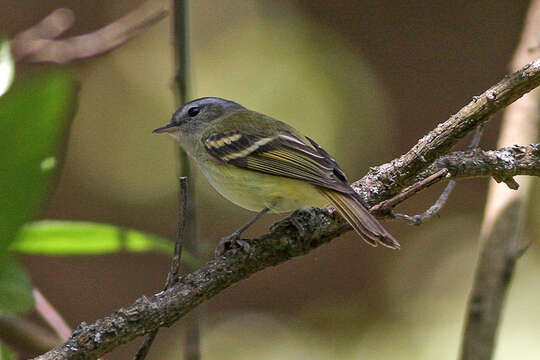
{"points": [[229, 242], [299, 227]]}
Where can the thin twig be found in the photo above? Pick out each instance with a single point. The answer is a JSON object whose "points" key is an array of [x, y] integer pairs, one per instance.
{"points": [[183, 200], [387, 205], [443, 198], [319, 226], [39, 44], [504, 217], [51, 316], [146, 345], [183, 83], [52, 26], [181, 49], [174, 271], [432, 210], [477, 136]]}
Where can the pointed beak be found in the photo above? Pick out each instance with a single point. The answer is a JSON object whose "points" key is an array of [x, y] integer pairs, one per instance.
{"points": [[169, 128]]}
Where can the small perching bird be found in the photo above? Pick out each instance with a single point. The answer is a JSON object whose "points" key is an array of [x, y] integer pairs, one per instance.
{"points": [[263, 164]]}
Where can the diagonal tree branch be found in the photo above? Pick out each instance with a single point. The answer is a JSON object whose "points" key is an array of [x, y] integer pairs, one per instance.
{"points": [[443, 198], [384, 207], [387, 180], [304, 230], [504, 216]]}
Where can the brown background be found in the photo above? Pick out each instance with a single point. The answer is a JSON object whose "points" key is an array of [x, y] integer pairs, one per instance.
{"points": [[426, 59]]}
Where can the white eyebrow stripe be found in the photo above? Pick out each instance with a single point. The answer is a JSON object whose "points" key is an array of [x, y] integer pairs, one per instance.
{"points": [[248, 150]]}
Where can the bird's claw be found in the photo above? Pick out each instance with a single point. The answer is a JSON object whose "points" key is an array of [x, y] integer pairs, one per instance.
{"points": [[299, 227], [229, 242]]}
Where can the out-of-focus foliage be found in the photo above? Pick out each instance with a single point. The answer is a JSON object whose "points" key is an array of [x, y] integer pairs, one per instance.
{"points": [[35, 113], [15, 288], [7, 66], [65, 238], [5, 353]]}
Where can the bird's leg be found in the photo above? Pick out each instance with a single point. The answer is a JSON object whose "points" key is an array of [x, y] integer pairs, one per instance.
{"points": [[227, 241]]}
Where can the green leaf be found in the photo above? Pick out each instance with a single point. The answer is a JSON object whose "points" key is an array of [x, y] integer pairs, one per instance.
{"points": [[34, 118], [7, 66], [15, 287], [52, 237], [6, 353]]}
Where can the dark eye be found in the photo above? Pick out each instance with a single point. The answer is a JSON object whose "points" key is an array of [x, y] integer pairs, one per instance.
{"points": [[193, 111]]}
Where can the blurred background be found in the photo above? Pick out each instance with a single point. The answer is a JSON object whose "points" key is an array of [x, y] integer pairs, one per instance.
{"points": [[366, 80]]}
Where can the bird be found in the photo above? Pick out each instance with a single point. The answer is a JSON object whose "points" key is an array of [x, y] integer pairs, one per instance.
{"points": [[265, 165]]}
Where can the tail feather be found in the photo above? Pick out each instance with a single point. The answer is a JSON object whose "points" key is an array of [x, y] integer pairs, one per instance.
{"points": [[365, 224]]}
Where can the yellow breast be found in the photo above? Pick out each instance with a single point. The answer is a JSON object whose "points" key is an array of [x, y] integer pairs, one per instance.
{"points": [[254, 191]]}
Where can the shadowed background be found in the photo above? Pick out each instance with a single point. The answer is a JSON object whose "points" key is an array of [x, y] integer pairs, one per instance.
{"points": [[364, 79]]}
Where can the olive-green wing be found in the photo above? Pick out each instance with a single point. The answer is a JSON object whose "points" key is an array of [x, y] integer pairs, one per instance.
{"points": [[279, 152]]}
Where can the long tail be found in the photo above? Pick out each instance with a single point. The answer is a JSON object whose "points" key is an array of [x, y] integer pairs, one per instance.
{"points": [[350, 207]]}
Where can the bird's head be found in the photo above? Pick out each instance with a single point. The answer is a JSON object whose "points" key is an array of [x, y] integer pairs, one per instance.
{"points": [[196, 115]]}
